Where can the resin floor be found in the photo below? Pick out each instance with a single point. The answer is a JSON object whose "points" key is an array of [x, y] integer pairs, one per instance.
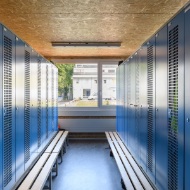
{"points": [[87, 165]]}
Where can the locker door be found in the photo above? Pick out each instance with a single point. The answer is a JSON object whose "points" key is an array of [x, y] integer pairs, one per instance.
{"points": [[143, 105], [27, 110], [122, 94], [161, 110], [8, 109], [131, 126], [187, 102], [151, 108], [56, 97], [176, 102], [47, 101], [126, 104], [1, 107], [136, 105], [34, 103], [39, 108], [117, 97], [50, 99], [43, 96], [19, 108], [53, 99]]}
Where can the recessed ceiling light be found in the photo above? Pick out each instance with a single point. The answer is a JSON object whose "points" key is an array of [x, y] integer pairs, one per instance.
{"points": [[86, 44]]}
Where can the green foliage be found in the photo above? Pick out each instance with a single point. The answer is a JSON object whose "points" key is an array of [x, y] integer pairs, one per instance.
{"points": [[65, 72]]}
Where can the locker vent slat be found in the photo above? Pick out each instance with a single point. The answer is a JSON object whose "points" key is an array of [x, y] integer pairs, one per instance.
{"points": [[7, 150], [173, 107], [150, 107], [39, 103], [27, 108], [47, 100]]}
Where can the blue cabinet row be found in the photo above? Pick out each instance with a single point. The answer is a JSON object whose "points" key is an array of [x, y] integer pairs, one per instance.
{"points": [[153, 104], [28, 106]]}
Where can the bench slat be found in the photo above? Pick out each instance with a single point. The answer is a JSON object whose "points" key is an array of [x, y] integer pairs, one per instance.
{"points": [[123, 173], [42, 177], [60, 142], [54, 141], [34, 172], [136, 168], [127, 166]]}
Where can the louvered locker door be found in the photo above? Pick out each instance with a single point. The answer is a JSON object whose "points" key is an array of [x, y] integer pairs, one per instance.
{"points": [[47, 101], [34, 103], [50, 98], [39, 103], [161, 110], [176, 103], [43, 95], [136, 106], [56, 97], [187, 101], [20, 68], [126, 103], [117, 97], [1, 106], [27, 109], [131, 126], [151, 108], [128, 119], [122, 96], [8, 46], [143, 105], [54, 127]]}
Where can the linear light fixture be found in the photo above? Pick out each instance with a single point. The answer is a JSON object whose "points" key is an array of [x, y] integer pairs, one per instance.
{"points": [[86, 44]]}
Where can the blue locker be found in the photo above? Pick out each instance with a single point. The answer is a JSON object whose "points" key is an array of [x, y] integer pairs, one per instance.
{"points": [[131, 108], [1, 106], [176, 102], [34, 103], [122, 94], [126, 103], [161, 110], [49, 99], [56, 98], [20, 50], [117, 97], [39, 103], [187, 102], [43, 97], [151, 108], [136, 105], [143, 106], [8, 109]]}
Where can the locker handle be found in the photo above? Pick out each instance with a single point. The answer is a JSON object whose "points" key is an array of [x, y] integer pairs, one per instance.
{"points": [[130, 104], [135, 105]]}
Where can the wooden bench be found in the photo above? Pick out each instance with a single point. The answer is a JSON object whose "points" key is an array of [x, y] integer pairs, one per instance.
{"points": [[46, 164], [132, 176]]}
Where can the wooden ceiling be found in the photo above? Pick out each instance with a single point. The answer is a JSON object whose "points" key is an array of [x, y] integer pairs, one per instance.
{"points": [[39, 22]]}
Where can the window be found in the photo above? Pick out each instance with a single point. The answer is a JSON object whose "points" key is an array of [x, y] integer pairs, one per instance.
{"points": [[87, 85], [109, 84]]}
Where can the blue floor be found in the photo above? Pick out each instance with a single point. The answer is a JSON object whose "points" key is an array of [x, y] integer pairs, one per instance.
{"points": [[87, 165]]}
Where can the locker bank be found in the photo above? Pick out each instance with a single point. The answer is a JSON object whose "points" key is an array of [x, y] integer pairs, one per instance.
{"points": [[138, 140]]}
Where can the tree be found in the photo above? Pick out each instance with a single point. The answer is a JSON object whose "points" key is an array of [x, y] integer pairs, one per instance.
{"points": [[65, 73]]}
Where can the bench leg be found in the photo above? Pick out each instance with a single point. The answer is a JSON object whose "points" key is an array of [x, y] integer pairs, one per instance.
{"points": [[61, 156], [67, 141], [49, 182], [111, 153], [123, 185], [55, 168]]}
